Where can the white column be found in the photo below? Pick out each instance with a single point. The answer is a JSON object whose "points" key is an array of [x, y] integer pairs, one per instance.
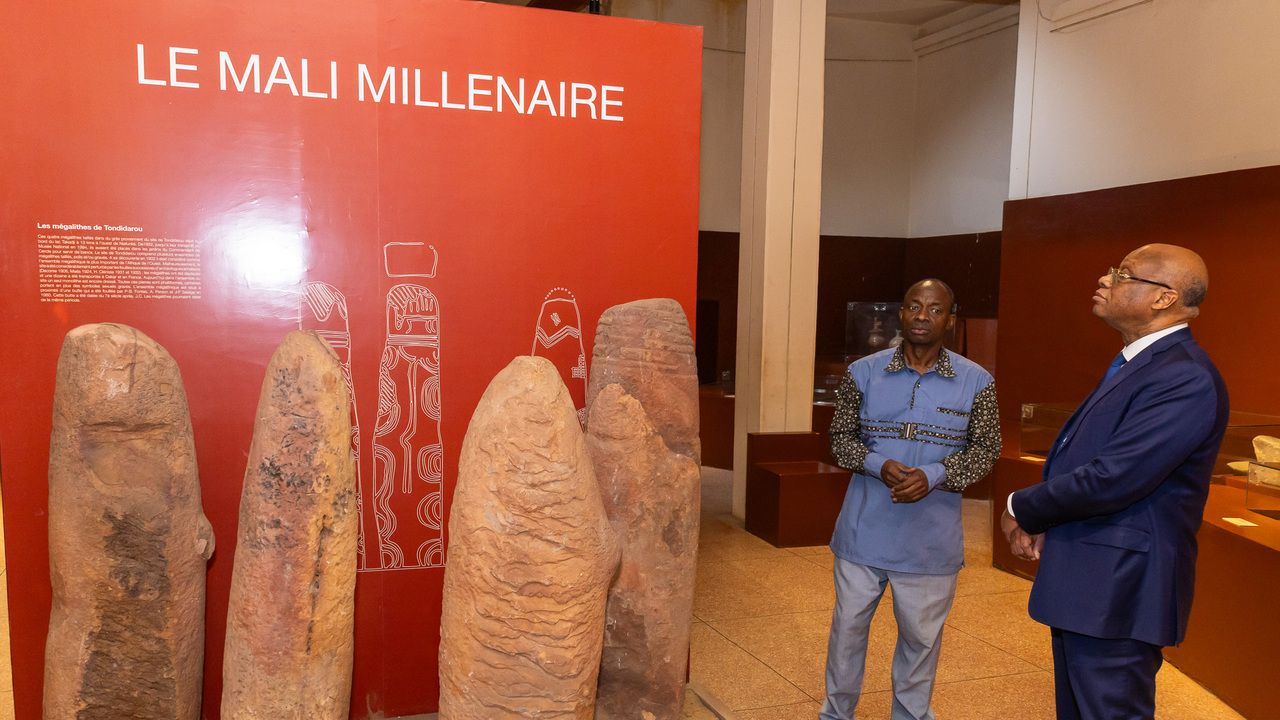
{"points": [[781, 201], [1023, 91]]}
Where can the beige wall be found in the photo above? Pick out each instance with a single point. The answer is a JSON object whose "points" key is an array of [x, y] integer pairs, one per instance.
{"points": [[867, 131], [1159, 90], [963, 126], [911, 146]]}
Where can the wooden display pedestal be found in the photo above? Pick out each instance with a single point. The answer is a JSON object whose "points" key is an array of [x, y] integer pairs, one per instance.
{"points": [[794, 488], [794, 504]]}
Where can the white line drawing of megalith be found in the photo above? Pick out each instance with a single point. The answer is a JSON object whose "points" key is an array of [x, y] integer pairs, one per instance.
{"points": [[324, 309], [558, 338], [408, 454]]}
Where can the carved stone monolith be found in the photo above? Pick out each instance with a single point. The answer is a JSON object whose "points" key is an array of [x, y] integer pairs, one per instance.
{"points": [[646, 347], [290, 617], [652, 498], [530, 558], [128, 542]]}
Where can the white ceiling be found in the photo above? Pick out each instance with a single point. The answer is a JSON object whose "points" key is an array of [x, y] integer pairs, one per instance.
{"points": [[902, 12]]}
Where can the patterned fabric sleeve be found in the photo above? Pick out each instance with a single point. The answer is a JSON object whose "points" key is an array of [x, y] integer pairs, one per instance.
{"points": [[982, 444], [846, 427]]}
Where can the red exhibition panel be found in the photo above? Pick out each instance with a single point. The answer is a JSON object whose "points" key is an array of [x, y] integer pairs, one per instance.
{"points": [[436, 186]]}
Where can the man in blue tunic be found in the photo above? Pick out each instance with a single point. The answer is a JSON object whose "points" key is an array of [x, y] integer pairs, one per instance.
{"points": [[916, 425]]}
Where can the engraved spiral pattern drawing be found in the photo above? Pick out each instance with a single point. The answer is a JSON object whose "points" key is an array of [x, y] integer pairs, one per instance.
{"points": [[408, 455]]}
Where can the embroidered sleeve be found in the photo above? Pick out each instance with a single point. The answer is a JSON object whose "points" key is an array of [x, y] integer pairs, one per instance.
{"points": [[982, 444], [846, 427]]}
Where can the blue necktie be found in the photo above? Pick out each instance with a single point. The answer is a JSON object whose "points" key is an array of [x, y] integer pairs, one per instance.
{"points": [[1114, 367]]}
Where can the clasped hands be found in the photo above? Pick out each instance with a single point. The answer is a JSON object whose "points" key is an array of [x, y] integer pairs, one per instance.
{"points": [[1021, 543], [907, 485]]}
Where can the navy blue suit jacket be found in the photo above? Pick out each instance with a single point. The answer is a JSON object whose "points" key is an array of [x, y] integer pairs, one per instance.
{"points": [[1123, 495]]}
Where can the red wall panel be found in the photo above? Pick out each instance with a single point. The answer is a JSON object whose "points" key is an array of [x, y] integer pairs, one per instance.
{"points": [[1051, 348], [279, 188]]}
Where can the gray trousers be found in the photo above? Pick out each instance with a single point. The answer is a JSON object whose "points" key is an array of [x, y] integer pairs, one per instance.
{"points": [[920, 607]]}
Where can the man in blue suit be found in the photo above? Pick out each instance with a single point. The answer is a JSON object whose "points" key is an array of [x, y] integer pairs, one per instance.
{"points": [[1114, 521]]}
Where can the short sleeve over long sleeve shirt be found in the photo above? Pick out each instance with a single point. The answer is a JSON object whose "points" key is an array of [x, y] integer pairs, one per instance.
{"points": [[943, 421]]}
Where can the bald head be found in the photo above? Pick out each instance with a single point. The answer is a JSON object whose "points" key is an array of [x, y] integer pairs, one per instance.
{"points": [[1178, 267], [934, 282]]}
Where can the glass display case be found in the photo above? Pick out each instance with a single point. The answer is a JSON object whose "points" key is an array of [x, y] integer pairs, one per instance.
{"points": [[870, 327], [1237, 444], [1041, 423], [1262, 490]]}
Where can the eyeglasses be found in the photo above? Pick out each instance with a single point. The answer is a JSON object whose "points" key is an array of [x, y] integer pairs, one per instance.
{"points": [[1117, 276]]}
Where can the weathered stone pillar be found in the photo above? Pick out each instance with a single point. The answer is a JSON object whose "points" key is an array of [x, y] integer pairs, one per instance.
{"points": [[530, 558], [646, 347], [652, 497], [128, 541], [290, 619]]}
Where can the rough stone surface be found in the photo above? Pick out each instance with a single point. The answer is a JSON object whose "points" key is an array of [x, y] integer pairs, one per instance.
{"points": [[128, 541], [1266, 448], [651, 495], [646, 347], [289, 621], [530, 558]]}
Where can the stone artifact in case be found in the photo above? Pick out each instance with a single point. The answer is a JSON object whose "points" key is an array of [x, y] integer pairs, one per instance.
{"points": [[1041, 423], [1262, 491]]}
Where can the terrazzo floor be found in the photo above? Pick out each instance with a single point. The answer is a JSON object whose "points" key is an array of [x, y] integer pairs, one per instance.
{"points": [[762, 615]]}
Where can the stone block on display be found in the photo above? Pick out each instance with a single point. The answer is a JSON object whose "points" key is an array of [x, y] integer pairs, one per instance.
{"points": [[290, 620], [652, 497], [128, 540], [646, 347], [530, 557]]}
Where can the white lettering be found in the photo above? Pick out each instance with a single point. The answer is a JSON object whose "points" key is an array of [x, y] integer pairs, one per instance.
{"points": [[225, 65], [561, 98], [605, 102], [444, 92], [305, 91], [589, 102], [502, 85], [542, 91], [417, 91], [388, 78], [175, 66], [473, 91], [142, 73], [274, 79]]}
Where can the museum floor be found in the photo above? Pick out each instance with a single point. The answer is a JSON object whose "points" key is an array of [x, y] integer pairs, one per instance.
{"points": [[760, 634], [762, 614]]}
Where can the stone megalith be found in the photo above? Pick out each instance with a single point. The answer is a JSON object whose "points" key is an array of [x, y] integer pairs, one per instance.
{"points": [[652, 497], [530, 558], [290, 618], [128, 541], [646, 347]]}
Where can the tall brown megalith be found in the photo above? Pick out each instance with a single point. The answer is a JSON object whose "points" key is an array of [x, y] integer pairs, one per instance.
{"points": [[128, 541], [646, 347], [651, 495], [290, 618], [530, 558], [642, 427]]}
